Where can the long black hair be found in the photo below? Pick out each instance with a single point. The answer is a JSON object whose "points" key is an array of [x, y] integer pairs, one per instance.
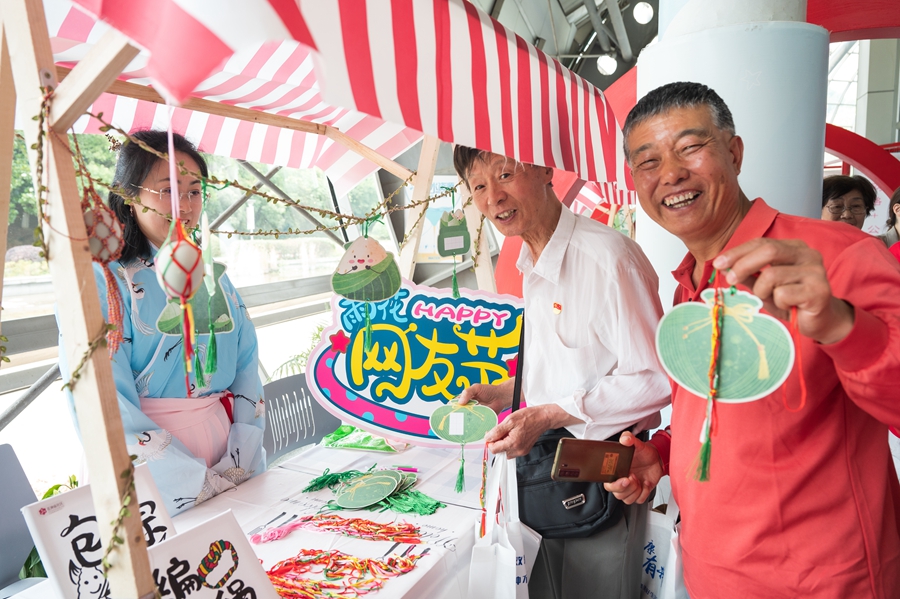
{"points": [[132, 168]]}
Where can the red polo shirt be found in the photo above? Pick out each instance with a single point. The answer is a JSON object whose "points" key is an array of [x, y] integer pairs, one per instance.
{"points": [[802, 504]]}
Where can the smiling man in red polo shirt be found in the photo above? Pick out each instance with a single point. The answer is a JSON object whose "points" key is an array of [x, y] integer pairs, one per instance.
{"points": [[799, 504]]}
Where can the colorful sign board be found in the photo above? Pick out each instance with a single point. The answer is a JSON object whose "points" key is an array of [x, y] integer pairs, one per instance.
{"points": [[427, 347]]}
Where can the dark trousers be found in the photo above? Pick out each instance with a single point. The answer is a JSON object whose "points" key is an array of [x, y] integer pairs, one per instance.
{"points": [[603, 566]]}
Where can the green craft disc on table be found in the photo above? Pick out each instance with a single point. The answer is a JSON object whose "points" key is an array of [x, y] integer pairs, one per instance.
{"points": [[409, 479], [368, 489], [462, 424], [756, 353]]}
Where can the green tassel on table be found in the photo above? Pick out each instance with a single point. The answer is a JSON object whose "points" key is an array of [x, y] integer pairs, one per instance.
{"points": [[330, 479], [409, 501], [461, 474]]}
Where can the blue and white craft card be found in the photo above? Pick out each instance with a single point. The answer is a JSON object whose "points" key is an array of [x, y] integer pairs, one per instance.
{"points": [[65, 532]]}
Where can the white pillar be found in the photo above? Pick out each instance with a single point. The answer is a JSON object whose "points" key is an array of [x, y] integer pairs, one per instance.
{"points": [[877, 103], [773, 76]]}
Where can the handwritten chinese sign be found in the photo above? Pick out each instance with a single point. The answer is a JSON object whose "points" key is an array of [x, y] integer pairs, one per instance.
{"points": [[65, 531], [213, 560], [427, 347]]}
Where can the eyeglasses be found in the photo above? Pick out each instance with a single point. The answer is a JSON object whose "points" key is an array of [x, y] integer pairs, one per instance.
{"points": [[165, 194], [837, 209]]}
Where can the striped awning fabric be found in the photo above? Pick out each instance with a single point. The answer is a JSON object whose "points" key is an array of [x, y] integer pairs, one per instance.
{"points": [[276, 76], [594, 194], [382, 71]]}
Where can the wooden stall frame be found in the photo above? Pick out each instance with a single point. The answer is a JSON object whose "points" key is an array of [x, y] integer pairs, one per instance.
{"points": [[414, 221], [484, 264], [81, 321], [23, 26], [7, 145]]}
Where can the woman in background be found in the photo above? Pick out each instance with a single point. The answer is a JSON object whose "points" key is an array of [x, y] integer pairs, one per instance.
{"points": [[847, 199], [892, 235], [197, 444]]}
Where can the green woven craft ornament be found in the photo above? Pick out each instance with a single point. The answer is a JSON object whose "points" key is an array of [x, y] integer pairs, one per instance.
{"points": [[368, 489], [366, 273], [755, 356], [462, 424]]}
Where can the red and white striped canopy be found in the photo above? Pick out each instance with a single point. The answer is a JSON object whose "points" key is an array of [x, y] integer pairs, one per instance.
{"points": [[379, 70], [595, 194]]}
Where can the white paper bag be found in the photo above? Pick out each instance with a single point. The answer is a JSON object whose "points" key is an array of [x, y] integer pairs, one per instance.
{"points": [[661, 572], [492, 572], [524, 540]]}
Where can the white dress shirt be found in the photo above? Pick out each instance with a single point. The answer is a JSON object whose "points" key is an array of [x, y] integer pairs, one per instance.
{"points": [[595, 358]]}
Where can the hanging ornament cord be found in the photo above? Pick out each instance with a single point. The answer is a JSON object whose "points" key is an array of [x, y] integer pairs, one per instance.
{"points": [[795, 337], [177, 236], [91, 202], [375, 218], [707, 430], [461, 473], [454, 281], [338, 575], [484, 465], [209, 279]]}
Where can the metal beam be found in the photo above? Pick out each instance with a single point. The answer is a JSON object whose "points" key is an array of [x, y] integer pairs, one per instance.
{"points": [[835, 59], [268, 183], [29, 396], [618, 23], [448, 272], [337, 208], [599, 27], [233, 208]]}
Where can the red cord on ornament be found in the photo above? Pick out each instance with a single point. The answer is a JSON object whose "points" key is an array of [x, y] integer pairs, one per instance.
{"points": [[795, 337]]}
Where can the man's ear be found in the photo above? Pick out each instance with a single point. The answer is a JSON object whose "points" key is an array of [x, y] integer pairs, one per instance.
{"points": [[736, 148]]}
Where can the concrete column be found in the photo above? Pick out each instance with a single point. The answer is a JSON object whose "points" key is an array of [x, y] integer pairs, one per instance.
{"points": [[771, 69], [877, 90]]}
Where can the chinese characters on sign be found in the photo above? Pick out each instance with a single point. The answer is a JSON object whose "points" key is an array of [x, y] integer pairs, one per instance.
{"points": [[427, 347]]}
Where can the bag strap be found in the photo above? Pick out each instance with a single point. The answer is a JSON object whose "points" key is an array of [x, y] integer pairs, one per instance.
{"points": [[520, 368]]}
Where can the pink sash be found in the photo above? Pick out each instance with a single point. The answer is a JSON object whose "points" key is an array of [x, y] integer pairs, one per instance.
{"points": [[201, 423]]}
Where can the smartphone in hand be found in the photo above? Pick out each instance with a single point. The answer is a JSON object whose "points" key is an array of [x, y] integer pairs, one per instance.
{"points": [[586, 460]]}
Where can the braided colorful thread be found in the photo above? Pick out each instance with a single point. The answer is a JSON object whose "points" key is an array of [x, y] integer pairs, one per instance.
{"points": [[401, 532], [345, 576], [708, 428], [209, 563]]}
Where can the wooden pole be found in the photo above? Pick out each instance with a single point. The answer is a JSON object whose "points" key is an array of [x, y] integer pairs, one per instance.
{"points": [[79, 314], [421, 189], [7, 146], [90, 78], [484, 266]]}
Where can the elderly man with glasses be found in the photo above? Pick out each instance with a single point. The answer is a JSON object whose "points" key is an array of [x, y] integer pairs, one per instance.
{"points": [[799, 502]]}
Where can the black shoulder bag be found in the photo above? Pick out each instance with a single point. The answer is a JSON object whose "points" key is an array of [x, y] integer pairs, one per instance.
{"points": [[558, 510]]}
